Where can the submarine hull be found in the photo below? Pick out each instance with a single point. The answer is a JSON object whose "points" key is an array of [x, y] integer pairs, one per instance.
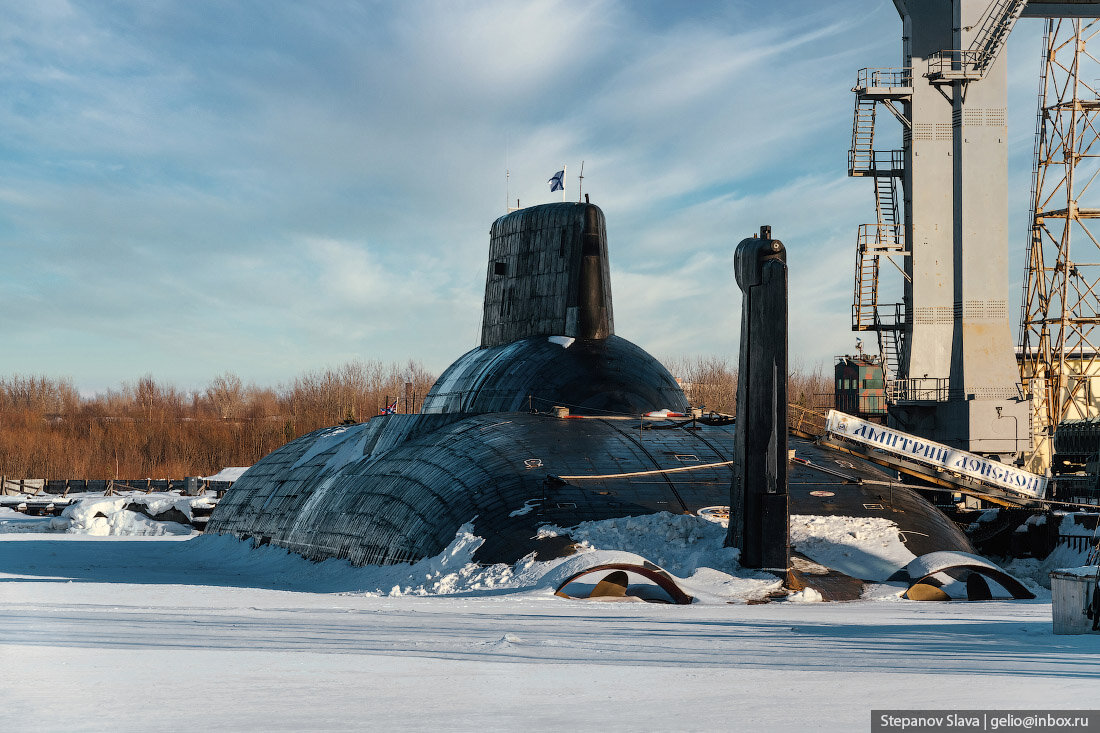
{"points": [[493, 449], [398, 488]]}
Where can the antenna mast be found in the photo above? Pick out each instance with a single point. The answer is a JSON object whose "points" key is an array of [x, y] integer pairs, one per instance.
{"points": [[580, 184]]}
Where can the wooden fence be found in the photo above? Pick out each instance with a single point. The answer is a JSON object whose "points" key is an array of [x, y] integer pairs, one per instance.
{"points": [[64, 487]]}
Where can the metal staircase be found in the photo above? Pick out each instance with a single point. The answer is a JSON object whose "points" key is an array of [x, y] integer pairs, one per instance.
{"points": [[861, 157], [891, 342], [886, 206], [972, 63], [865, 303], [885, 237], [996, 25]]}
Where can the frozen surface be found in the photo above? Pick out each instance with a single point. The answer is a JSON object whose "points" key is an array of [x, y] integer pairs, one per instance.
{"points": [[140, 633]]}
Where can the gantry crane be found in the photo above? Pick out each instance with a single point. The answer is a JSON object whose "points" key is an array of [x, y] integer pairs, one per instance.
{"points": [[948, 347], [1060, 309]]}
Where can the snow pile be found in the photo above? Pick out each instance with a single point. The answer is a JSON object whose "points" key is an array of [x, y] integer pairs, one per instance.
{"points": [[664, 413], [162, 503], [102, 516], [806, 595], [1035, 520], [231, 473], [1070, 526], [689, 548], [679, 543], [448, 573], [987, 515], [870, 548], [12, 522], [109, 516], [1035, 573]]}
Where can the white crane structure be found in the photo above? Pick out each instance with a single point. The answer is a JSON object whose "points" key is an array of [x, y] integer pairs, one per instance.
{"points": [[941, 203]]}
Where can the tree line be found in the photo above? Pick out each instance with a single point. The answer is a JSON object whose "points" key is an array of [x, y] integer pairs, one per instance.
{"points": [[149, 429]]}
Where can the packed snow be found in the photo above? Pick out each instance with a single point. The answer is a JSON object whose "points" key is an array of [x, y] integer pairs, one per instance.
{"points": [[128, 514], [110, 516], [867, 547], [132, 632], [231, 473]]}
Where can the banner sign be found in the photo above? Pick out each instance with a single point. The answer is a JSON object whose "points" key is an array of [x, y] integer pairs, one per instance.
{"points": [[924, 451]]}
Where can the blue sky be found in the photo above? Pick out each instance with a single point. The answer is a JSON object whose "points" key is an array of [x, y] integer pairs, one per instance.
{"points": [[189, 188]]}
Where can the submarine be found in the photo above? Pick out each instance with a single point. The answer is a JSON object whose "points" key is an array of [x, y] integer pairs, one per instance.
{"points": [[552, 419]]}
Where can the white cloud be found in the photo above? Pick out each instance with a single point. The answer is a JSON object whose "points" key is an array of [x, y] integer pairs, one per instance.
{"points": [[286, 185]]}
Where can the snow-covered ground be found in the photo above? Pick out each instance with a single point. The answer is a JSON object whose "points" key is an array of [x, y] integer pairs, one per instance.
{"points": [[177, 632]]}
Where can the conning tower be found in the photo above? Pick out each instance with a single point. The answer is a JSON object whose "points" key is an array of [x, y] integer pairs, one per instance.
{"points": [[548, 328]]}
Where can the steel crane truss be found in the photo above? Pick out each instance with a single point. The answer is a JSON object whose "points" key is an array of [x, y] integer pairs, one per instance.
{"points": [[1061, 299]]}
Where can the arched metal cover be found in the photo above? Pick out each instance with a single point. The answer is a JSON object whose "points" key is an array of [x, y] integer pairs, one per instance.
{"points": [[924, 569]]}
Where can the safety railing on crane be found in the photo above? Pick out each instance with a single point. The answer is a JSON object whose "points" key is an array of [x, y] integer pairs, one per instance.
{"points": [[873, 241], [876, 162], [881, 318], [956, 65], [880, 239], [972, 63], [884, 78], [917, 389]]}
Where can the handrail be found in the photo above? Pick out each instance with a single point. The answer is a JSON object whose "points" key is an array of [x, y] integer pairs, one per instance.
{"points": [[883, 320], [956, 63], [805, 420], [880, 238], [886, 161], [889, 77], [917, 389]]}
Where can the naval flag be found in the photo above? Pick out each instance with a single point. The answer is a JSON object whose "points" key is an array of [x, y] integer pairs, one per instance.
{"points": [[557, 183], [390, 409]]}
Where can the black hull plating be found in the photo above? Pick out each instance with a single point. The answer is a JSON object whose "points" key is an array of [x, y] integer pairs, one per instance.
{"points": [[397, 489]]}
